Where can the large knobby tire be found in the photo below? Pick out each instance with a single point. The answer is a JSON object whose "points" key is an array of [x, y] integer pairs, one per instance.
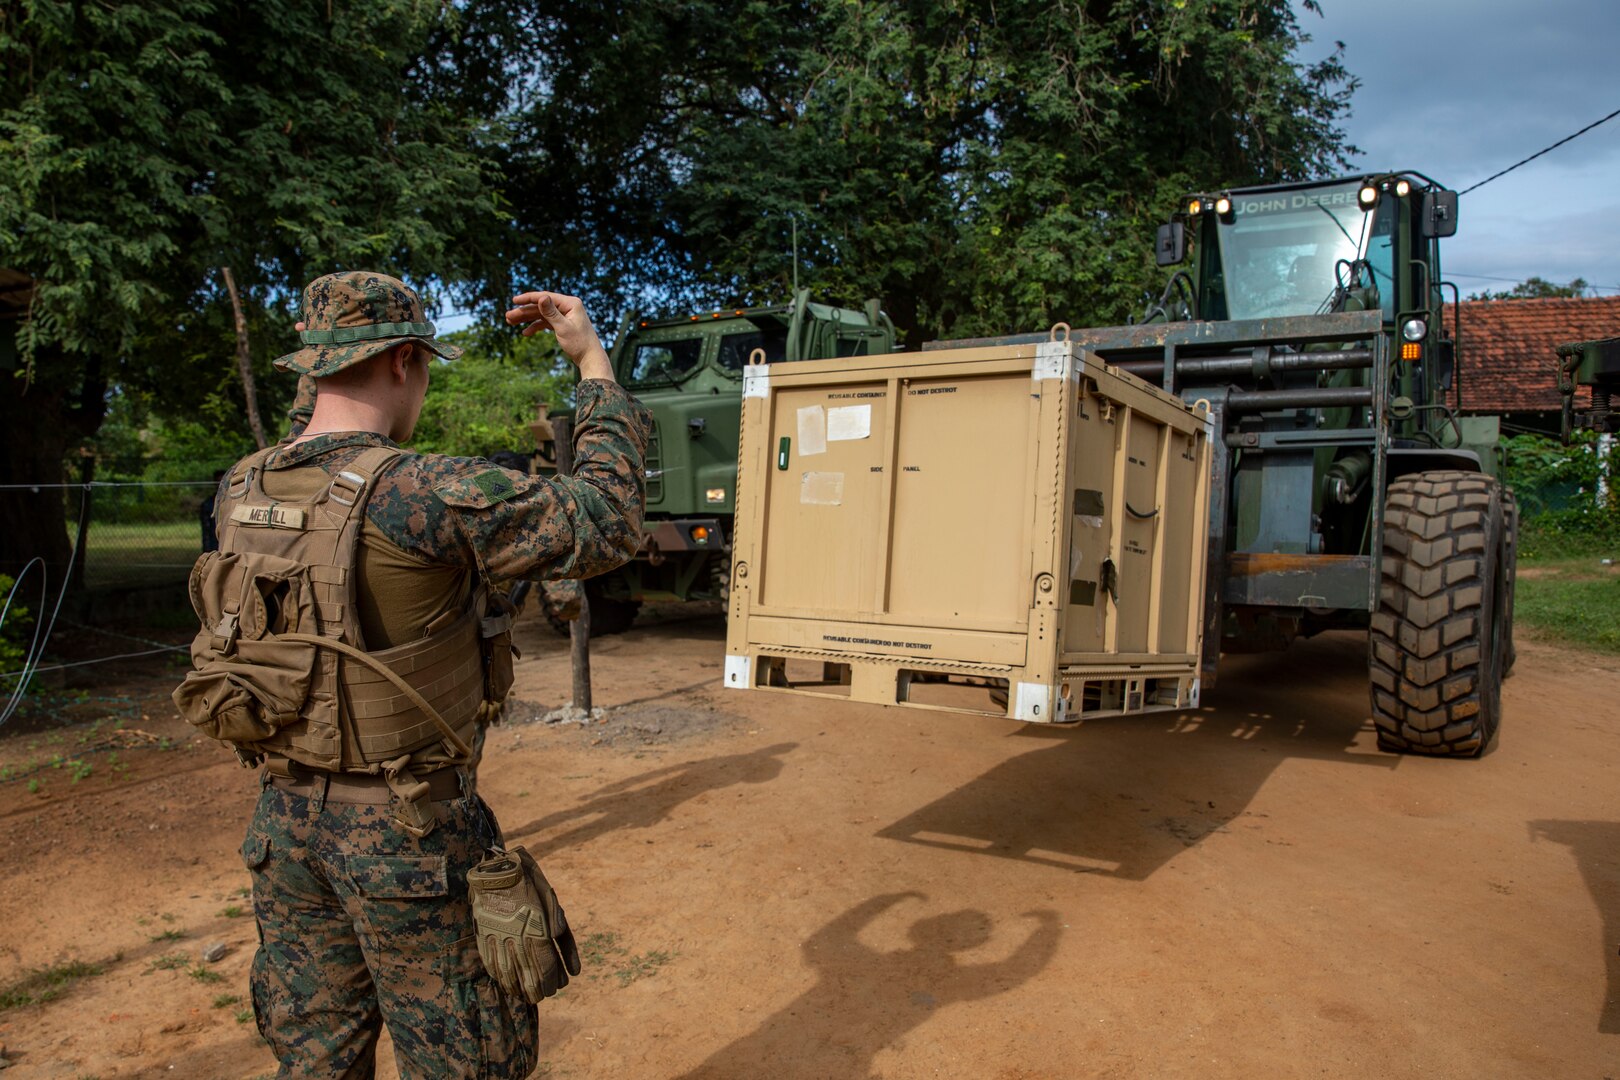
{"points": [[1437, 646], [1510, 574]]}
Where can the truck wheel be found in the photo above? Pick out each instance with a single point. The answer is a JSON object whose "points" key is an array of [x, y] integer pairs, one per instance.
{"points": [[1437, 641]]}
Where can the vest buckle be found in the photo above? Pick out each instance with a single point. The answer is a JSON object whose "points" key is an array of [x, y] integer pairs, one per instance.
{"points": [[346, 483], [411, 804]]}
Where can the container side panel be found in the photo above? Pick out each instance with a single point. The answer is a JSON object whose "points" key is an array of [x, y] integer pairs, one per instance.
{"points": [[961, 544], [1179, 533], [1138, 538], [822, 511], [1092, 507]]}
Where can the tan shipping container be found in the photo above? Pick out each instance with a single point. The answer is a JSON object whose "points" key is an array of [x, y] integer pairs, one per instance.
{"points": [[1015, 531]]}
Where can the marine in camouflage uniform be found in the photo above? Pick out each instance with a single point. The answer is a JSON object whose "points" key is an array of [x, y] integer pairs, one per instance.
{"points": [[360, 922]]}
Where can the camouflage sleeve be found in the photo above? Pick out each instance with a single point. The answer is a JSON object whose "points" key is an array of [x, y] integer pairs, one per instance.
{"points": [[303, 407], [506, 524]]}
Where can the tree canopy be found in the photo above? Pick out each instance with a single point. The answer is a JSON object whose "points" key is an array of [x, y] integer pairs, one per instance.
{"points": [[980, 166], [150, 144], [1537, 288]]}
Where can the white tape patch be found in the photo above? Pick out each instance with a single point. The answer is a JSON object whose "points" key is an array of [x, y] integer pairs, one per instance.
{"points": [[757, 380], [848, 422], [822, 489], [812, 431]]}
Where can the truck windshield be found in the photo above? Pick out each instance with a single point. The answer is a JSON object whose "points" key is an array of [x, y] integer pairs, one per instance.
{"points": [[665, 359], [735, 349], [1279, 257]]}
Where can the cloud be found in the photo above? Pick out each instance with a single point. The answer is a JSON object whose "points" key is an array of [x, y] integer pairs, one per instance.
{"points": [[1459, 89]]}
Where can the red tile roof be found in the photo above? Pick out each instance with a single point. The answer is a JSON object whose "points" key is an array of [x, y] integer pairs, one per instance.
{"points": [[1508, 364]]}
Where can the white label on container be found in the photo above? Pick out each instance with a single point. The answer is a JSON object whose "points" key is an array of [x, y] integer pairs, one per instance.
{"points": [[812, 430], [846, 422], [822, 489], [739, 672]]}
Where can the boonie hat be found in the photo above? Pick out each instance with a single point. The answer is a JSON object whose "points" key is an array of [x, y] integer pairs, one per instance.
{"points": [[355, 315]]}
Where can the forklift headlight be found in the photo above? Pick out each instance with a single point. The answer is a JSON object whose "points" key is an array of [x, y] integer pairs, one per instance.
{"points": [[1367, 196], [1414, 330], [1403, 188], [1223, 206]]}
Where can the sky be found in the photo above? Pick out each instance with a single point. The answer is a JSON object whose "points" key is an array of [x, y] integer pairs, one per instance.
{"points": [[1460, 89]]}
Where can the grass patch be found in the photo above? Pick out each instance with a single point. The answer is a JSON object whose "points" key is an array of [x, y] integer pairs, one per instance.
{"points": [[1570, 600], [244, 1015], [233, 911], [205, 975], [45, 984], [167, 935], [602, 954], [225, 1001], [170, 962]]}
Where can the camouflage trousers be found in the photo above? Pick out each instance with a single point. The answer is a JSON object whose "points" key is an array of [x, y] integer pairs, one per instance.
{"points": [[360, 924]]}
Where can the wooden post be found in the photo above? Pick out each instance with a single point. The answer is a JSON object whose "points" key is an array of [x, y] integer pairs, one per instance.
{"points": [[579, 631]]}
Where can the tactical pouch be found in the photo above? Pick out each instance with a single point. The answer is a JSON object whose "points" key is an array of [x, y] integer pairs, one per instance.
{"points": [[495, 638], [246, 683]]}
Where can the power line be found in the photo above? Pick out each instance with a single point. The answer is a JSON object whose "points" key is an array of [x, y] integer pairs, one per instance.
{"points": [[1520, 281], [1538, 153]]}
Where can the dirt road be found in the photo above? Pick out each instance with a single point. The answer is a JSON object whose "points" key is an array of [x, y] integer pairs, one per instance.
{"points": [[770, 886]]}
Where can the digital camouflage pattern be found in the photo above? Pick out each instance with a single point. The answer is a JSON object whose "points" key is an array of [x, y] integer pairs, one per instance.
{"points": [[361, 923], [303, 407], [353, 302], [503, 523]]}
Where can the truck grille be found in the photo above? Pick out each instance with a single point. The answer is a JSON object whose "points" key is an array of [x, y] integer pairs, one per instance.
{"points": [[655, 467]]}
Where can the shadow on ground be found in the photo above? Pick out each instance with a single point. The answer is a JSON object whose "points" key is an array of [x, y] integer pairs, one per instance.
{"points": [[1124, 796], [865, 999], [640, 802], [1596, 847]]}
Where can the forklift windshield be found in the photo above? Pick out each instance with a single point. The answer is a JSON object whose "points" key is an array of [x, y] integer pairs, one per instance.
{"points": [[1285, 251]]}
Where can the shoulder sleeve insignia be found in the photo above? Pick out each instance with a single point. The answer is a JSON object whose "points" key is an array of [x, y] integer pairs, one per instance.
{"points": [[496, 485]]}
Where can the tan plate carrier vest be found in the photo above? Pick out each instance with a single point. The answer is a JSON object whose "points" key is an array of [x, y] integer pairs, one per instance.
{"points": [[279, 664]]}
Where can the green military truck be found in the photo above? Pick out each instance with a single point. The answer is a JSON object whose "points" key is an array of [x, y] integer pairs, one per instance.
{"points": [[689, 372], [1346, 491]]}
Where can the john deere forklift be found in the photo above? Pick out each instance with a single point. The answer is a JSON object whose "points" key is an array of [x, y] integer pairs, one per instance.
{"points": [[689, 371], [1350, 493]]}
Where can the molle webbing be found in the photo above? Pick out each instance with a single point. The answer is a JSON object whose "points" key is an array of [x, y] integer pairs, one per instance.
{"points": [[355, 719]]}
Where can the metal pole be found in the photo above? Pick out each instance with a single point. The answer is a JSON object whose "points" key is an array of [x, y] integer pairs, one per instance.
{"points": [[579, 631]]}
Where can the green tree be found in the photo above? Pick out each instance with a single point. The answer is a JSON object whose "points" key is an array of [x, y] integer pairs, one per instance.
{"points": [[485, 401], [983, 166], [150, 144], [1536, 288]]}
